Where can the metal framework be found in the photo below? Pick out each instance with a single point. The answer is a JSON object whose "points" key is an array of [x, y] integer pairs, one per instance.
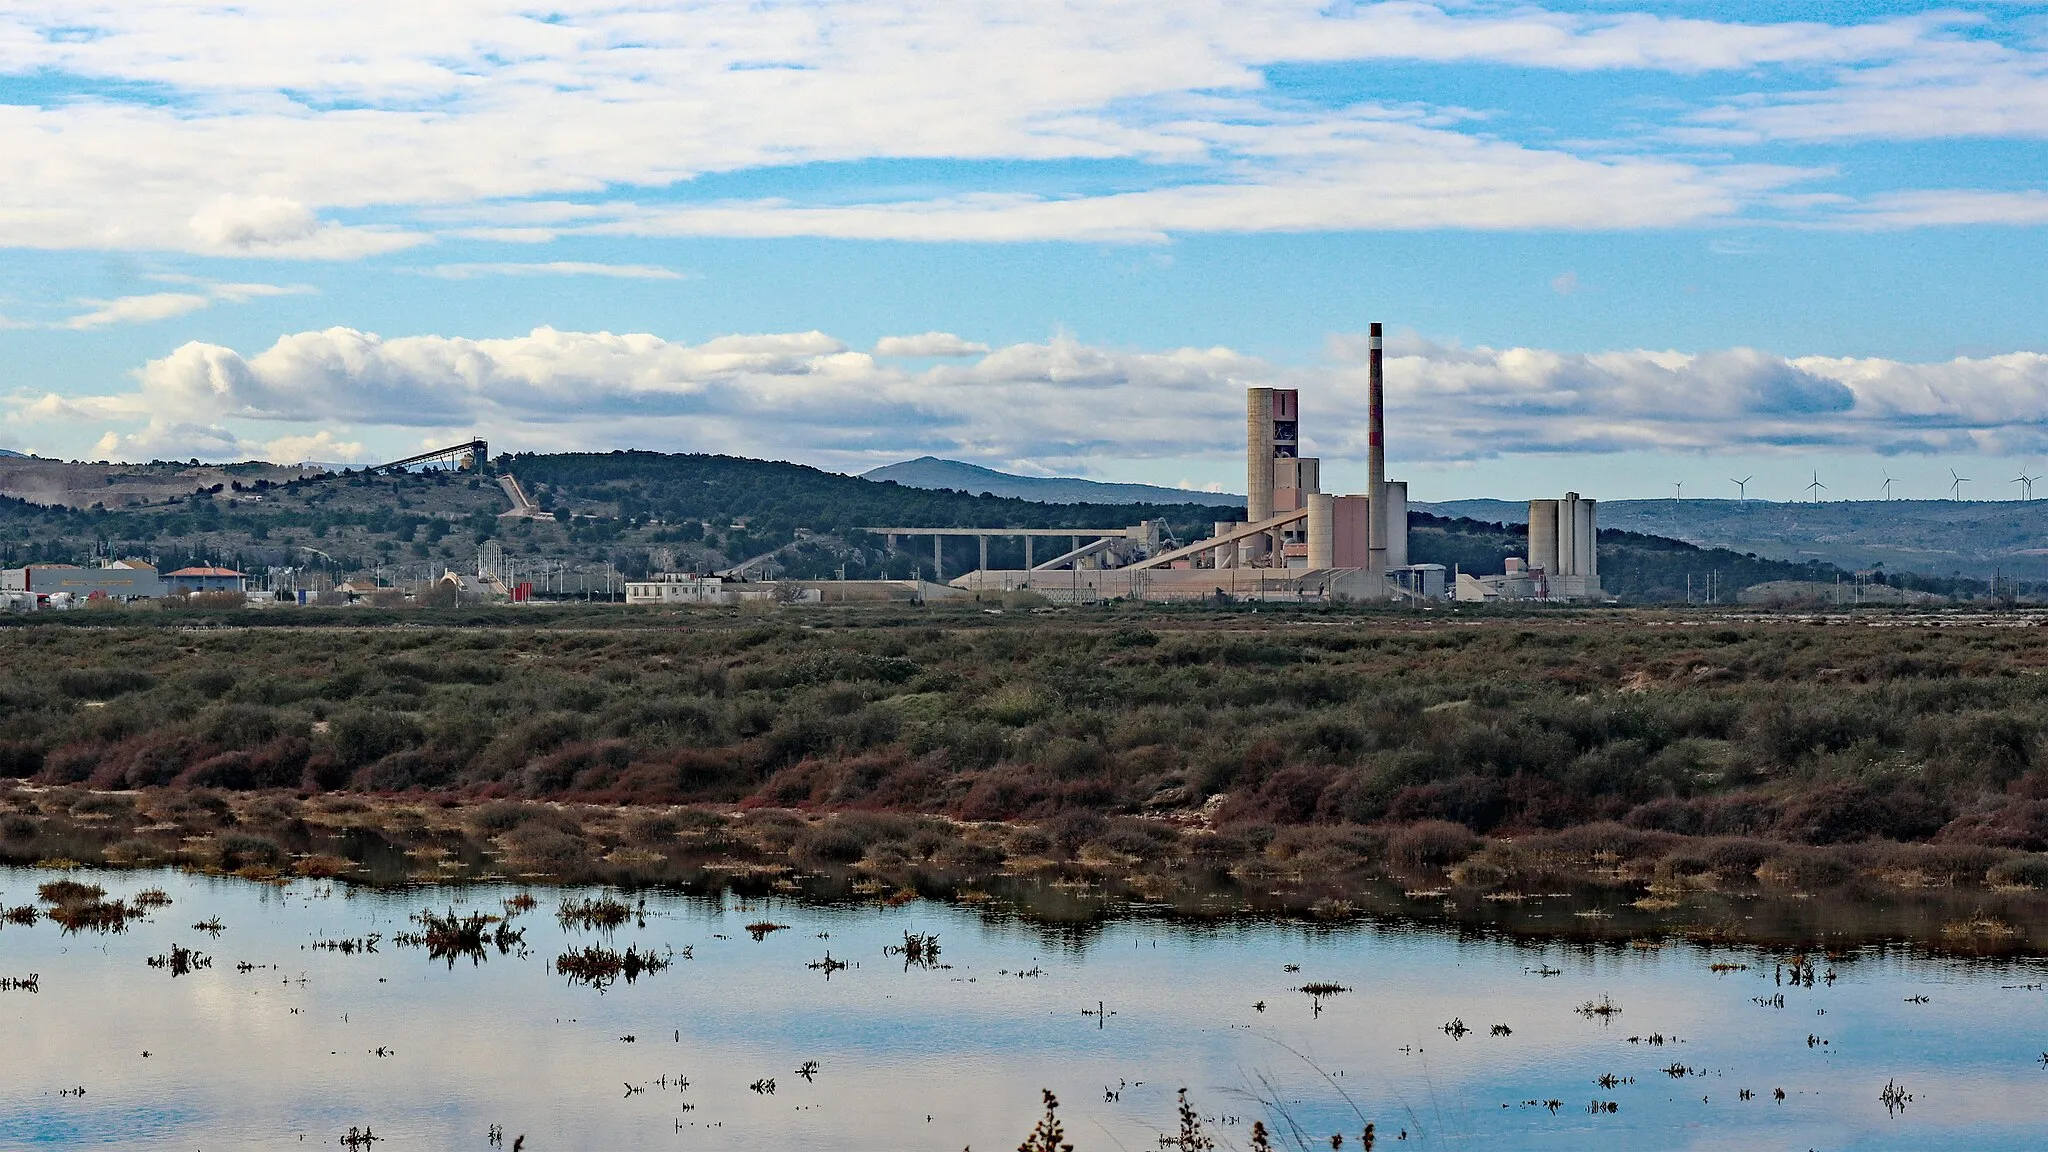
{"points": [[1104, 537], [471, 455], [1241, 532]]}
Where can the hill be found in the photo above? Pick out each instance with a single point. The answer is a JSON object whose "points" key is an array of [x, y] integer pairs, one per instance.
{"points": [[933, 472], [82, 485], [634, 512]]}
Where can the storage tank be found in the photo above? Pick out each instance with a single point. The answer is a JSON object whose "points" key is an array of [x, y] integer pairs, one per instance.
{"points": [[1543, 535], [1585, 559], [1322, 530], [1568, 535], [1397, 524]]}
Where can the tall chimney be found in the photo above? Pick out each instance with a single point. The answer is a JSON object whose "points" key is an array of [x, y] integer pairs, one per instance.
{"points": [[1376, 460]]}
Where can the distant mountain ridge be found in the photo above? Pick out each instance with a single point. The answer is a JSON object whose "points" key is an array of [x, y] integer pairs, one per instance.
{"points": [[9, 452], [931, 472]]}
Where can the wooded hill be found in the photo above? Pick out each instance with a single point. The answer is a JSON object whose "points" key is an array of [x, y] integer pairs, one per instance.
{"points": [[642, 511]]}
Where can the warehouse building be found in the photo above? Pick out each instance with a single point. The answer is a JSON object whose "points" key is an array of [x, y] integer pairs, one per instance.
{"points": [[127, 580]]}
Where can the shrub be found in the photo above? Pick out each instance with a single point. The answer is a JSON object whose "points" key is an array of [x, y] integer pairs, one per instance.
{"points": [[1737, 858], [359, 738], [652, 828], [133, 852], [538, 847], [1313, 848], [1806, 868], [240, 849], [240, 726], [1069, 830], [1851, 810], [17, 827], [404, 770], [1432, 842], [2030, 871], [103, 683], [20, 759], [1139, 839]]}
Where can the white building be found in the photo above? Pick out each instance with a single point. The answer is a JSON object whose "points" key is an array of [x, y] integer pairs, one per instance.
{"points": [[680, 588]]}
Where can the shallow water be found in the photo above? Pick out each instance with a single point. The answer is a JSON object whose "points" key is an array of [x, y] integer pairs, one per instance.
{"points": [[308, 1043]]}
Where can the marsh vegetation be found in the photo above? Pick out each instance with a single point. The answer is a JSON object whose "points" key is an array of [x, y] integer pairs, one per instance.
{"points": [[1166, 755]]}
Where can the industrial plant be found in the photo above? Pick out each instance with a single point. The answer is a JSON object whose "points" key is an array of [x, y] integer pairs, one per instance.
{"points": [[1297, 543]]}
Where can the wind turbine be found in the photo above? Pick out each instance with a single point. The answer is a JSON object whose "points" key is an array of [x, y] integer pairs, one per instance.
{"points": [[1955, 484], [2026, 484], [1816, 488], [1680, 486], [1887, 485], [1742, 486]]}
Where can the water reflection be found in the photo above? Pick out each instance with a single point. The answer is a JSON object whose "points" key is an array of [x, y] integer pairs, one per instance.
{"points": [[585, 1020]]}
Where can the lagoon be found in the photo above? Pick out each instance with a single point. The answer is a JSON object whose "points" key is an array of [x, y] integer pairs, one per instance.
{"points": [[1455, 1038]]}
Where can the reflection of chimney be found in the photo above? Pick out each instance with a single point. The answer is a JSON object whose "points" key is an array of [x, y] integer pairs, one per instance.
{"points": [[1376, 459]]}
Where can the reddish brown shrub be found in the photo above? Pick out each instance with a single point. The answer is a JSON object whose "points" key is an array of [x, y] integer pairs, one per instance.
{"points": [[1431, 842]]}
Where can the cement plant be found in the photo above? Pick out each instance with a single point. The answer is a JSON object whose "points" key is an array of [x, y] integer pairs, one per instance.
{"points": [[1296, 543]]}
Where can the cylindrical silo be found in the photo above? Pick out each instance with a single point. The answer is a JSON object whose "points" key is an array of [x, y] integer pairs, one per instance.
{"points": [[1258, 463], [1322, 530], [1397, 524], [1543, 535], [1568, 535], [1587, 537], [1226, 554], [1582, 538]]}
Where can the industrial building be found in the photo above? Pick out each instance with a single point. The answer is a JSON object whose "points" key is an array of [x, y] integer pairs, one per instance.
{"points": [[63, 583], [1297, 542], [206, 578], [680, 588], [1563, 561]]}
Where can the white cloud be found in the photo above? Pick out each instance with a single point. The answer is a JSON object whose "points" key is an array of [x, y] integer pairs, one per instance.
{"points": [[303, 130], [556, 268], [154, 306], [1050, 407], [1954, 206], [165, 440], [253, 221], [138, 309], [928, 344], [1943, 87]]}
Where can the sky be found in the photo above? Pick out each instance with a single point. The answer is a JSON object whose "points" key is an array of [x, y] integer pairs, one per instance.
{"points": [[1633, 250]]}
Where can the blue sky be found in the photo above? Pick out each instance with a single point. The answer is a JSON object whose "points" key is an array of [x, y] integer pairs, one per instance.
{"points": [[1622, 248]]}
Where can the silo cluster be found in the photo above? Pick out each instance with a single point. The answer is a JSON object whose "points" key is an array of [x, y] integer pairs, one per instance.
{"points": [[1563, 545]]}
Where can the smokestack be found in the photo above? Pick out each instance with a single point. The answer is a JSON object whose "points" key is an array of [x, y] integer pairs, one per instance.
{"points": [[1376, 460]]}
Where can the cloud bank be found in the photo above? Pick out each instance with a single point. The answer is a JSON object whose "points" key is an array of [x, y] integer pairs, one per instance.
{"points": [[1051, 407], [308, 130]]}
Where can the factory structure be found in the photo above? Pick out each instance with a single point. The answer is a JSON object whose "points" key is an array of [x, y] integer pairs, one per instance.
{"points": [[1296, 543], [1563, 561]]}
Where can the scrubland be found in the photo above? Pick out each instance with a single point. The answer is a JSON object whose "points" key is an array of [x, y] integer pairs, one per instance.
{"points": [[1677, 753]]}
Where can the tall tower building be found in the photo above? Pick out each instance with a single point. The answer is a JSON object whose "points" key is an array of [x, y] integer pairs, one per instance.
{"points": [[1278, 478]]}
